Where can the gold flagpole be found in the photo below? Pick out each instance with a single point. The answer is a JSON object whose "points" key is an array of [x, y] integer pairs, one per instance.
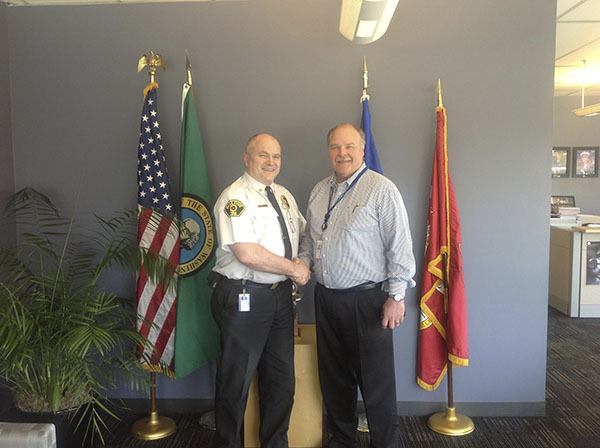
{"points": [[449, 423], [152, 427]]}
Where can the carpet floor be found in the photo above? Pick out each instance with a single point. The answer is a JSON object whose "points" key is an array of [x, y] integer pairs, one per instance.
{"points": [[572, 406]]}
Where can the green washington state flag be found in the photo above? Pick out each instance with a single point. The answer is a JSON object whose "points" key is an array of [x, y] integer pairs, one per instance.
{"points": [[196, 333]]}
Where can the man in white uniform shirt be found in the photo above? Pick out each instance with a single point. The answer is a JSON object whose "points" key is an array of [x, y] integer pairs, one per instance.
{"points": [[258, 227], [359, 247]]}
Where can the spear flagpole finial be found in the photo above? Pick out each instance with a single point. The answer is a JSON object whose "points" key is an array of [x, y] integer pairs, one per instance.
{"points": [[188, 68], [365, 95], [439, 89]]}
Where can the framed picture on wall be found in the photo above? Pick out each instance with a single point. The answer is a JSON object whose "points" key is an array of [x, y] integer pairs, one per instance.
{"points": [[585, 161], [560, 162]]}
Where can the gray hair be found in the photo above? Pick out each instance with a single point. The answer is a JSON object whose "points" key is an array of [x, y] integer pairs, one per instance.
{"points": [[353, 126]]}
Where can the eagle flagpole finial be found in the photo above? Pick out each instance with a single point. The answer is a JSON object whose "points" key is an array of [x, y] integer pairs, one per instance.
{"points": [[153, 61]]}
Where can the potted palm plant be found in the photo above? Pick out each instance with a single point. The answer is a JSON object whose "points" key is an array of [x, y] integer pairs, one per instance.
{"points": [[64, 337]]}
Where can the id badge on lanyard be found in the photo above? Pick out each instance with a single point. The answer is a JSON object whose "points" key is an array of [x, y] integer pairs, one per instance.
{"points": [[318, 248]]}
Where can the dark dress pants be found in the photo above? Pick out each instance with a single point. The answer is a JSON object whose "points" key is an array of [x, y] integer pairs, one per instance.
{"points": [[260, 340], [354, 350]]}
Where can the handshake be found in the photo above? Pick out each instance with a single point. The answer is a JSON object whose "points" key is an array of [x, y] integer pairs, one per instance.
{"points": [[300, 272]]}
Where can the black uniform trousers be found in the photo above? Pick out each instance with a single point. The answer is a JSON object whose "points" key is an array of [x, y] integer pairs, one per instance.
{"points": [[354, 350], [262, 340]]}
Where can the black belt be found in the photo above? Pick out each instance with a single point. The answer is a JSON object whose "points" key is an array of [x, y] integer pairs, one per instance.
{"points": [[249, 283], [362, 287]]}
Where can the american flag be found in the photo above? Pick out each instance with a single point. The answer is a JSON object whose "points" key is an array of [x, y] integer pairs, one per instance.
{"points": [[158, 234]]}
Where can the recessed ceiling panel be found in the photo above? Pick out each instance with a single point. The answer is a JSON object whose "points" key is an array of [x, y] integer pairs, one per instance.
{"points": [[572, 36], [589, 10], [589, 52], [564, 5], [577, 76]]}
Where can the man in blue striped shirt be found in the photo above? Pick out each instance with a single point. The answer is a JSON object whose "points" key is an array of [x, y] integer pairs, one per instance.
{"points": [[359, 247]]}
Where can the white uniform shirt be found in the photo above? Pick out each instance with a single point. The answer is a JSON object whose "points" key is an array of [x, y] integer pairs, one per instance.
{"points": [[243, 214]]}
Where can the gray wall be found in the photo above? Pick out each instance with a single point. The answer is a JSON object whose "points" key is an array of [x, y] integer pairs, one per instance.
{"points": [[283, 67], [7, 180], [573, 131]]}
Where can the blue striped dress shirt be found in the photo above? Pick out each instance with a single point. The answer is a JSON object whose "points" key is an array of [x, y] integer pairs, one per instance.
{"points": [[367, 237]]}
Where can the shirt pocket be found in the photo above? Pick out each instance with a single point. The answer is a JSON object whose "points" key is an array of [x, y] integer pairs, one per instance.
{"points": [[266, 221], [361, 218]]}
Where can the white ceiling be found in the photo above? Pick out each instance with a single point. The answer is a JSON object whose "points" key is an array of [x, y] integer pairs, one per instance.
{"points": [[89, 2], [577, 39]]}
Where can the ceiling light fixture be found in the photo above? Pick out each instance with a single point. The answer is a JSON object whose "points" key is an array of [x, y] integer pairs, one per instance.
{"points": [[365, 21], [586, 111]]}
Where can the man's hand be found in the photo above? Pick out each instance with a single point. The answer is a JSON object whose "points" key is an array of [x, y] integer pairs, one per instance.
{"points": [[301, 273], [258, 258], [392, 313]]}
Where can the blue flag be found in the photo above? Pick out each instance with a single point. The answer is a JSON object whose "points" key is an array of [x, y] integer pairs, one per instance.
{"points": [[371, 157]]}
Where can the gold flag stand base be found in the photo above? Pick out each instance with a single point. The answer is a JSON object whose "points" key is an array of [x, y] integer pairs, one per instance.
{"points": [[153, 427], [450, 423]]}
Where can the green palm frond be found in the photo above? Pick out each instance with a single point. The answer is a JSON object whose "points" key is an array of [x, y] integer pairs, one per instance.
{"points": [[64, 340]]}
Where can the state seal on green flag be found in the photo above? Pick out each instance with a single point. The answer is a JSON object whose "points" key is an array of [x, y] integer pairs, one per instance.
{"points": [[197, 235]]}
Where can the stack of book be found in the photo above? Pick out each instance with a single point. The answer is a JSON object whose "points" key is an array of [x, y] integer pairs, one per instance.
{"points": [[566, 214], [568, 211]]}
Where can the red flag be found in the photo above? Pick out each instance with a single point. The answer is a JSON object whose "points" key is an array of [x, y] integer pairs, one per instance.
{"points": [[443, 325]]}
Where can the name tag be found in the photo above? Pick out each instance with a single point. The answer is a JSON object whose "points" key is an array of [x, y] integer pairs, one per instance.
{"points": [[244, 302], [318, 248]]}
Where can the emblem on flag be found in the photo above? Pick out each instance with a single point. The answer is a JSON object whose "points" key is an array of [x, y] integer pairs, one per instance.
{"points": [[197, 235]]}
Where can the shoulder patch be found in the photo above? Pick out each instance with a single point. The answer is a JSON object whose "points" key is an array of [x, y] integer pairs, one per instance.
{"points": [[234, 208]]}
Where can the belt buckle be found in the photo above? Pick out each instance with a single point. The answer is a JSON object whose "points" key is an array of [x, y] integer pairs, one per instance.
{"points": [[274, 285]]}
